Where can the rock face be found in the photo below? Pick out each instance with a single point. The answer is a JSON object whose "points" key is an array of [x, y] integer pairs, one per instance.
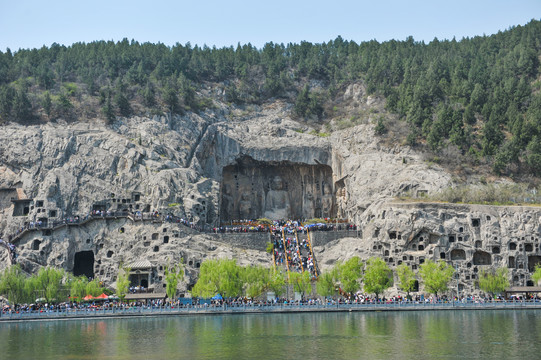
{"points": [[97, 247], [252, 190], [470, 237], [228, 164]]}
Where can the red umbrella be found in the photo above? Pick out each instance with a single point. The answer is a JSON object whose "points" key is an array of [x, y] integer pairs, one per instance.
{"points": [[101, 297], [88, 297]]}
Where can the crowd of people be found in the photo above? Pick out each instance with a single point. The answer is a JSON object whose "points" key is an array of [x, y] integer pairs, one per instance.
{"points": [[291, 250], [236, 226], [247, 226], [358, 299], [11, 248]]}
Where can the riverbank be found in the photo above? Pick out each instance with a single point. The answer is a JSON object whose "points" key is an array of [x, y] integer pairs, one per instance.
{"points": [[113, 313]]}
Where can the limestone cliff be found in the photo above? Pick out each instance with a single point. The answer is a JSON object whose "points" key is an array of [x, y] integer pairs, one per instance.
{"points": [[219, 166]]}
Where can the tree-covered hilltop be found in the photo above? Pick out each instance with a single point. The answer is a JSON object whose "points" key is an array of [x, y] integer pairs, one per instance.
{"points": [[479, 94]]}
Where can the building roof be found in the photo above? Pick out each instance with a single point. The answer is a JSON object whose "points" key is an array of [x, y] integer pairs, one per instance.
{"points": [[20, 194], [140, 265], [523, 289]]}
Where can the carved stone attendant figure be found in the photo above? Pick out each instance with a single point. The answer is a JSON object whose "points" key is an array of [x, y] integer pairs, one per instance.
{"points": [[327, 201], [227, 202], [245, 207], [308, 205], [277, 201]]}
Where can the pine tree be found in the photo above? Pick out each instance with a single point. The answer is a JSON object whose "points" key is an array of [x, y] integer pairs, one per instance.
{"points": [[47, 103], [22, 108]]}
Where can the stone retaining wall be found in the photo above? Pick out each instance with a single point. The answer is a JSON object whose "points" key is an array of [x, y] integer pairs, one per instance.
{"points": [[321, 238], [250, 240], [258, 241]]}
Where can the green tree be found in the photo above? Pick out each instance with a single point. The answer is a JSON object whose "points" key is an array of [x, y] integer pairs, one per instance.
{"points": [[94, 287], [327, 283], [349, 274], [302, 102], [536, 276], [256, 280], [7, 96], [187, 93], [494, 281], [149, 95], [277, 282], [45, 75], [123, 104], [47, 103], [436, 276], [307, 103], [170, 98], [377, 276], [173, 274], [218, 277], [48, 281], [122, 281], [78, 288], [301, 282], [13, 285], [22, 108], [380, 127], [108, 110], [269, 248], [64, 104], [406, 278], [533, 155]]}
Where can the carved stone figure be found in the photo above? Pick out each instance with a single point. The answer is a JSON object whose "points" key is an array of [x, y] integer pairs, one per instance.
{"points": [[342, 202], [327, 201], [308, 205], [245, 207], [318, 211], [227, 199], [277, 201]]}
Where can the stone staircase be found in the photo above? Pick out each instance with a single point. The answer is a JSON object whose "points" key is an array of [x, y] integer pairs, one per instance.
{"points": [[293, 251]]}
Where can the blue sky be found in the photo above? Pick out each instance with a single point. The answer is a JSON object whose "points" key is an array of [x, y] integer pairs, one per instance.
{"points": [[34, 23]]}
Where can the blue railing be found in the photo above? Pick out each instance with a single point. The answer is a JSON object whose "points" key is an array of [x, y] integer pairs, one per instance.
{"points": [[260, 308]]}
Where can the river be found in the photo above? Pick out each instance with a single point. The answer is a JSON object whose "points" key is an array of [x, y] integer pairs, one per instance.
{"points": [[452, 334]]}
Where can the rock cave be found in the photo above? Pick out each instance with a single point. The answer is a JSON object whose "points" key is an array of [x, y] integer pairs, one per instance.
{"points": [[83, 264], [276, 190]]}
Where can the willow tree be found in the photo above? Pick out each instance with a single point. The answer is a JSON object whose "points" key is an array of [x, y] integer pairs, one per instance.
{"points": [[406, 278], [78, 287], [48, 281], [536, 276], [94, 287], [301, 282], [377, 276], [436, 276], [173, 274], [494, 281], [327, 283], [218, 277], [349, 274], [13, 284], [277, 282], [122, 281], [256, 280]]}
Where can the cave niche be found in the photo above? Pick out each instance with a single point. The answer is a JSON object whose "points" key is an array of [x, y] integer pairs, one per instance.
{"points": [[277, 190], [533, 261], [458, 254], [482, 258], [83, 264]]}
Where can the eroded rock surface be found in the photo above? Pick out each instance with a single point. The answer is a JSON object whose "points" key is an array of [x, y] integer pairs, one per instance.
{"points": [[222, 165]]}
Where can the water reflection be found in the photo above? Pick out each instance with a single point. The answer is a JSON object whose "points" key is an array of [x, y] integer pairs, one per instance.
{"points": [[374, 335]]}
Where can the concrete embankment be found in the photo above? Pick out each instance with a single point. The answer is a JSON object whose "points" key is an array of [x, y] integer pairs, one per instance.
{"points": [[255, 309]]}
